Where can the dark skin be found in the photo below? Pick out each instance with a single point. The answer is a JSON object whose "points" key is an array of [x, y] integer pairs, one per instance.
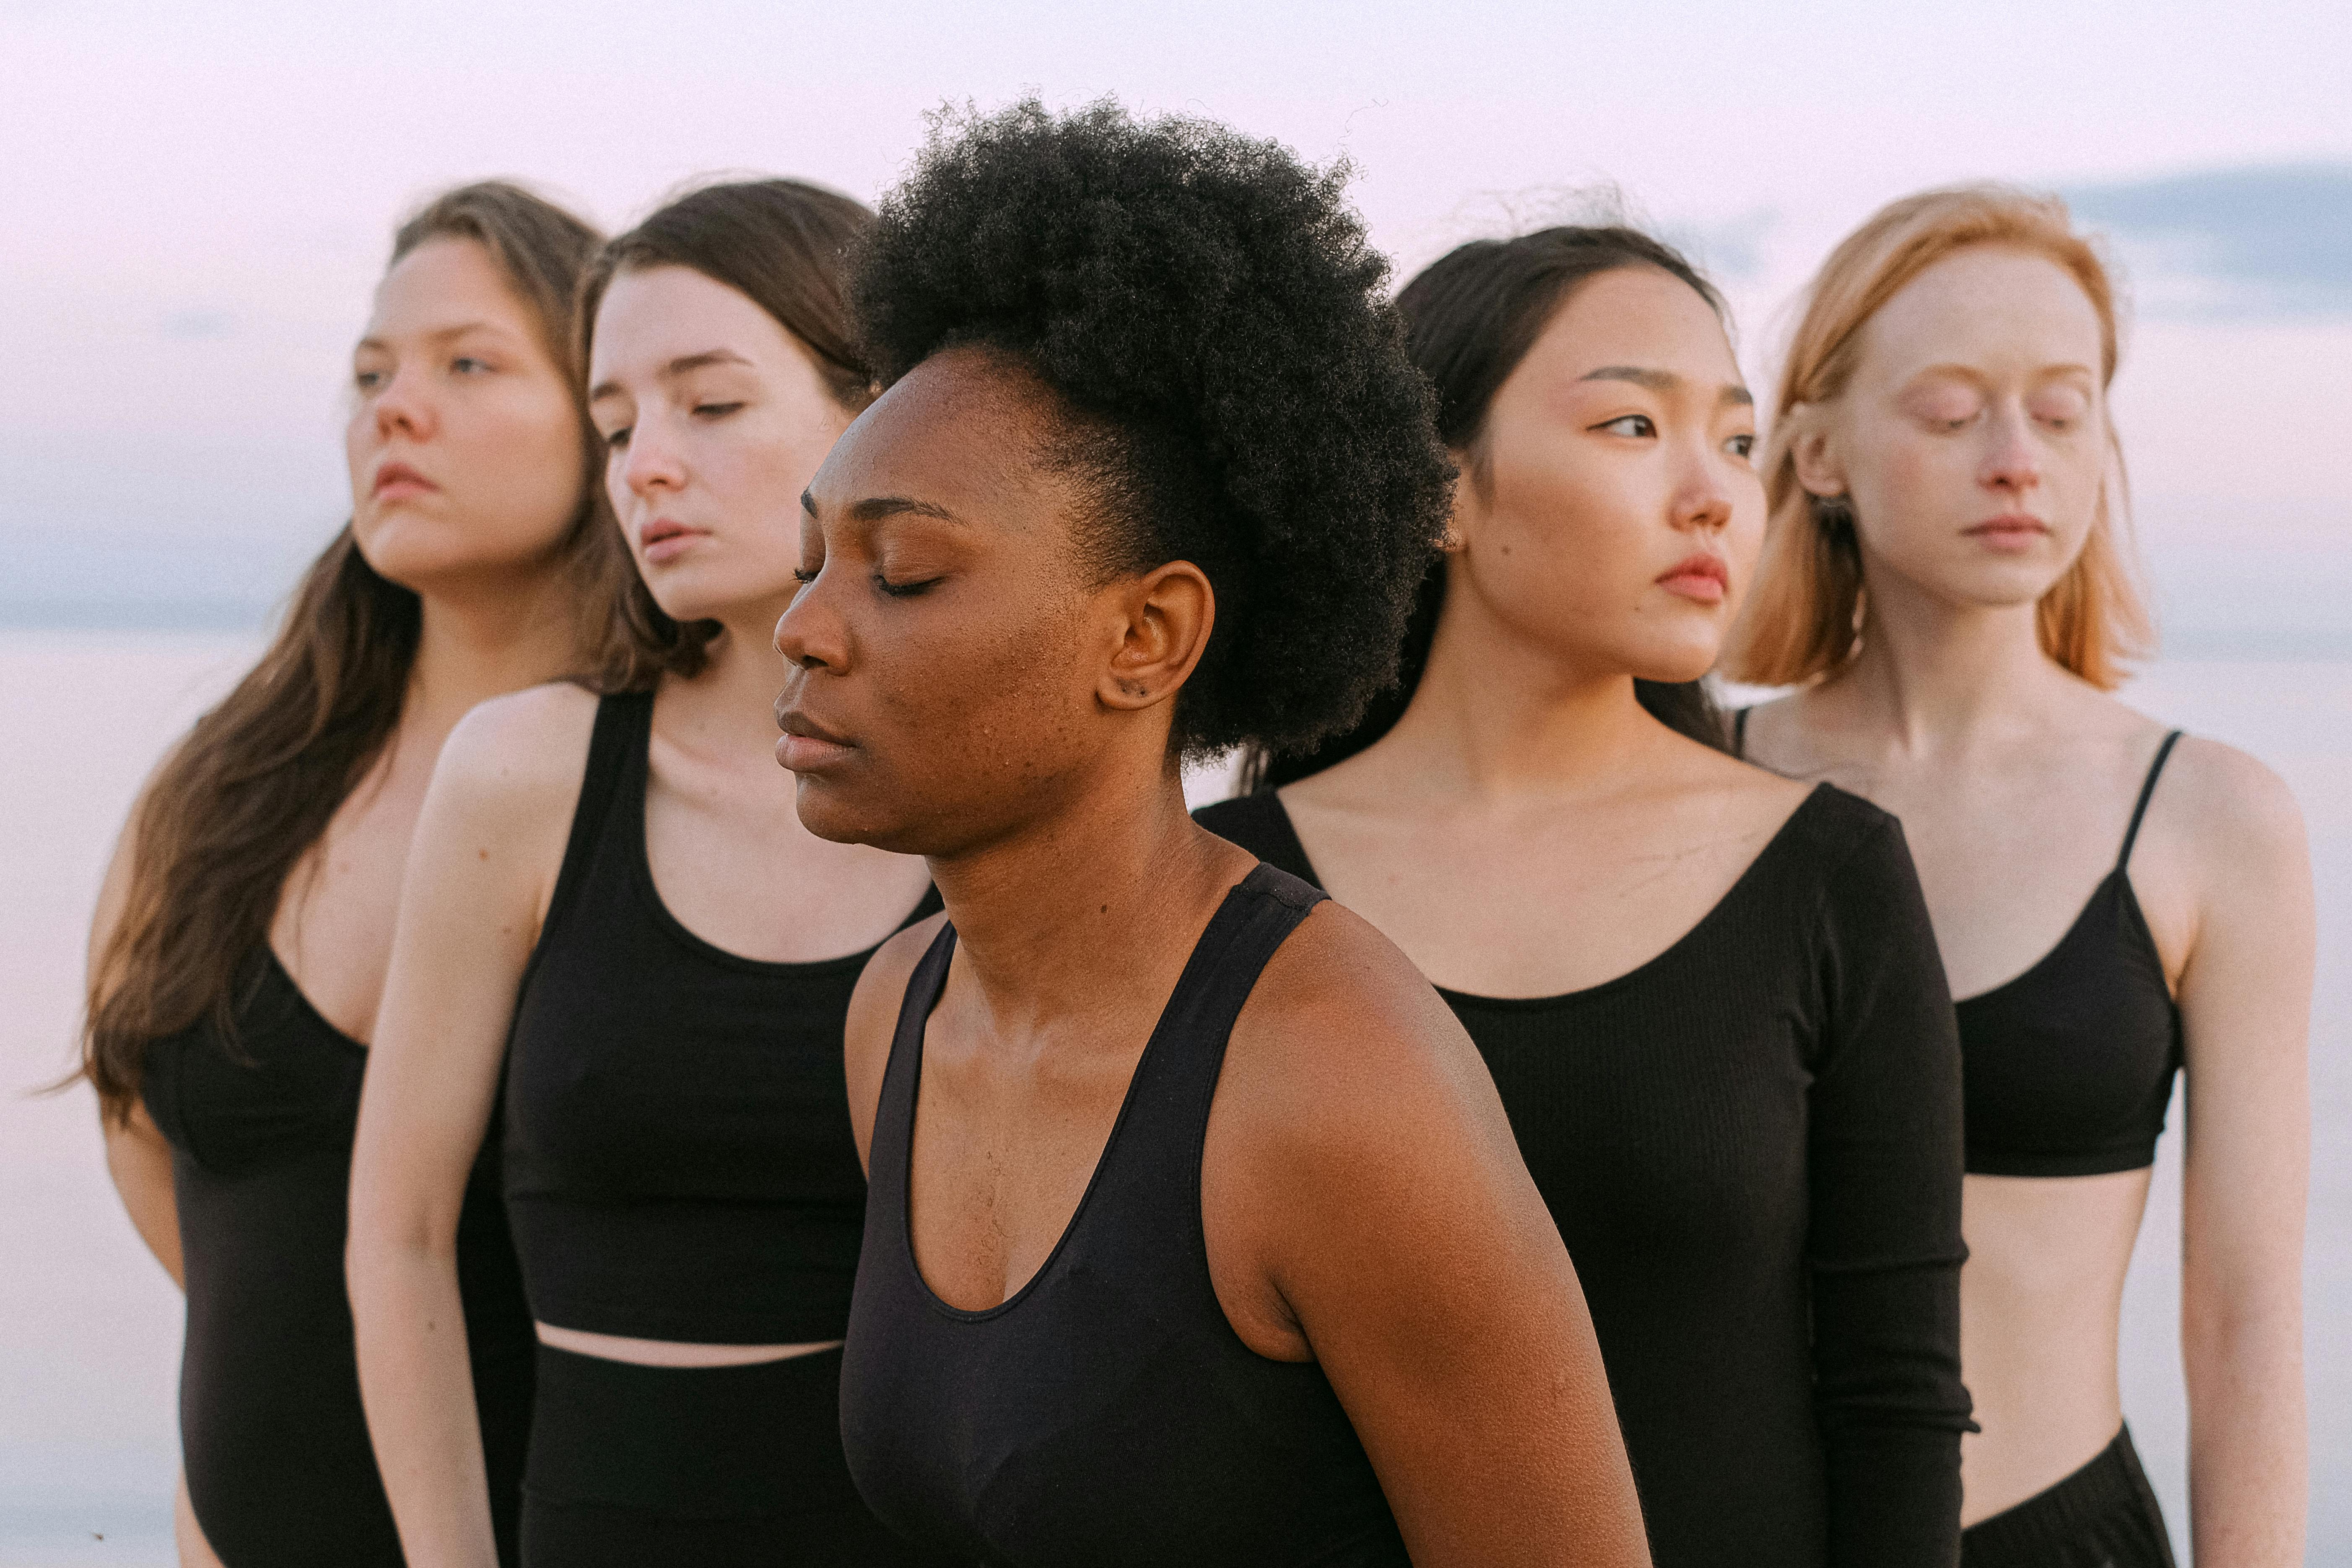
{"points": [[965, 686]]}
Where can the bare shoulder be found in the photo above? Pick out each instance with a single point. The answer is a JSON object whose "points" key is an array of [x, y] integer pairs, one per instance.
{"points": [[523, 753], [2233, 815], [1342, 1042], [874, 1020]]}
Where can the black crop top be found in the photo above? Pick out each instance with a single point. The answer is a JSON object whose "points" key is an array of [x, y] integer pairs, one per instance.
{"points": [[1751, 1146], [679, 1159], [1105, 1412], [2069, 1066], [276, 1447]]}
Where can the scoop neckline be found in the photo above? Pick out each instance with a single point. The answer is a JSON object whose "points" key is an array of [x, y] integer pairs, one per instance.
{"points": [[640, 873], [1748, 875]]}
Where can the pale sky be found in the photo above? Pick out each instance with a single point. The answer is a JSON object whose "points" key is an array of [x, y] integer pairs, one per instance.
{"points": [[198, 196]]}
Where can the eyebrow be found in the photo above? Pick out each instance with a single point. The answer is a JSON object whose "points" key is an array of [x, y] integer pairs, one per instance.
{"points": [[682, 365], [874, 508], [441, 334], [1662, 381]]}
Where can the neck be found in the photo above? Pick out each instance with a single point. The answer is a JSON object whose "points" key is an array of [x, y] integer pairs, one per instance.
{"points": [[1934, 673], [730, 707], [472, 646], [1113, 876], [1495, 716]]}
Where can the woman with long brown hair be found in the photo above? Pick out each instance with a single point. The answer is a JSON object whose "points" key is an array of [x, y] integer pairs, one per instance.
{"points": [[1708, 996], [1945, 582], [615, 914], [246, 923]]}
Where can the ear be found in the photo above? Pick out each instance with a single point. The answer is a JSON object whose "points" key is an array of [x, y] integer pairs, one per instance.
{"points": [[1469, 507], [1165, 616], [1813, 453]]}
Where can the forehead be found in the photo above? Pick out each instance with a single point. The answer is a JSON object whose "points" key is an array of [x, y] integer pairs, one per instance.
{"points": [[651, 316], [960, 431], [446, 281], [1641, 317], [1985, 305]]}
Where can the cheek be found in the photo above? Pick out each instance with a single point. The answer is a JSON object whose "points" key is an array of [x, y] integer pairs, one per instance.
{"points": [[1564, 544]]}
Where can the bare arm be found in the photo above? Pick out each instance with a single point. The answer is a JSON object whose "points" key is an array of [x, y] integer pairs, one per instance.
{"points": [[2245, 1002], [487, 846], [1360, 1159]]}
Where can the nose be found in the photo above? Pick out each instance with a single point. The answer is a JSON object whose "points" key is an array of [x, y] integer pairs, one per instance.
{"points": [[651, 461], [810, 634], [404, 407], [1702, 499], [2013, 462]]}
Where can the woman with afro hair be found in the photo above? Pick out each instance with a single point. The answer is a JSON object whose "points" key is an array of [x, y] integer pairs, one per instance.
{"points": [[1196, 1231]]}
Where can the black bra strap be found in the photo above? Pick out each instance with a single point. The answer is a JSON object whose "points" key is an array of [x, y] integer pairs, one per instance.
{"points": [[1739, 733], [2131, 834]]}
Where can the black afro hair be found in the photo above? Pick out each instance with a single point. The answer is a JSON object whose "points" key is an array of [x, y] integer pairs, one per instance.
{"points": [[1211, 312]]}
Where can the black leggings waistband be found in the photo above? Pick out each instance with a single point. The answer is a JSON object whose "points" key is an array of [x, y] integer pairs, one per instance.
{"points": [[695, 1442], [2105, 1515], [732, 1467]]}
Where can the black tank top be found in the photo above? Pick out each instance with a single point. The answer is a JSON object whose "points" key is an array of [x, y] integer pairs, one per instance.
{"points": [[276, 1446], [1105, 1412], [679, 1159], [2067, 1069]]}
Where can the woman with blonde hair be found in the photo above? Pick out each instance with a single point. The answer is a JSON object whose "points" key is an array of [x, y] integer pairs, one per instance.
{"points": [[1946, 583]]}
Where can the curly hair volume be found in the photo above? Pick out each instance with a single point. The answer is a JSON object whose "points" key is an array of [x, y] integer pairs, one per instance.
{"points": [[1236, 389]]}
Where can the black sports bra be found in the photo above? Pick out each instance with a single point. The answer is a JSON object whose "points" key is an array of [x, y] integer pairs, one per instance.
{"points": [[2067, 1069], [679, 1162]]}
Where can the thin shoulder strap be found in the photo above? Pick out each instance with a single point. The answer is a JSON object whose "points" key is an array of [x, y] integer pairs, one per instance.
{"points": [[2131, 834], [1739, 733], [624, 726]]}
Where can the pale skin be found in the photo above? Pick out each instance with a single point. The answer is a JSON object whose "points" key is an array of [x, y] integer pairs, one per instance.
{"points": [[453, 383], [1526, 829], [964, 686], [714, 417], [1972, 441]]}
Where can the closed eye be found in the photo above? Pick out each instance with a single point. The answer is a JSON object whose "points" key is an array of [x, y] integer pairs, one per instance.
{"points": [[1637, 426], [902, 590], [714, 410]]}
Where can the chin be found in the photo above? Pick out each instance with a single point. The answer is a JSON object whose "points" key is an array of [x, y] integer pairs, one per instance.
{"points": [[840, 814]]}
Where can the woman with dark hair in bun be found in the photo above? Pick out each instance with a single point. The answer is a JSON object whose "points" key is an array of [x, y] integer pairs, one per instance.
{"points": [[619, 944], [1197, 1235], [1709, 997]]}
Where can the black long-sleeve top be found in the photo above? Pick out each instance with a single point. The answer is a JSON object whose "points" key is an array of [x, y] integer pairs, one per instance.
{"points": [[1751, 1145]]}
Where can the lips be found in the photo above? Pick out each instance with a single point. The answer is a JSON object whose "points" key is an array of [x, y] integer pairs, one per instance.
{"points": [[2011, 531], [665, 538], [395, 481], [807, 746], [1701, 576]]}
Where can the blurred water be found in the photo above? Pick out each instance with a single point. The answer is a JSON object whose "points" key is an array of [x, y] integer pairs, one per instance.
{"points": [[88, 1361]]}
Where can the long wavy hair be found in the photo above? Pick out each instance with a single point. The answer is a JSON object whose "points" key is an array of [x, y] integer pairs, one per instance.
{"points": [[248, 791], [1471, 316], [1806, 614]]}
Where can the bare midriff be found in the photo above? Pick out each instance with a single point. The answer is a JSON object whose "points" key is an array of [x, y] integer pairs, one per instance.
{"points": [[670, 1352], [2041, 1305]]}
